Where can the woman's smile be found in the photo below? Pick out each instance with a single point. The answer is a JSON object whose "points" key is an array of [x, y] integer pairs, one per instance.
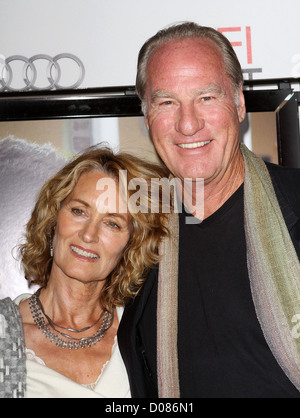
{"points": [[84, 253]]}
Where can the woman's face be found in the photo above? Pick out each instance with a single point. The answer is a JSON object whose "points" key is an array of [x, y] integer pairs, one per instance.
{"points": [[91, 233]]}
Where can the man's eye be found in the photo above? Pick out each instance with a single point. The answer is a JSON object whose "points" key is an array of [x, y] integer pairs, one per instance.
{"points": [[166, 103], [208, 98]]}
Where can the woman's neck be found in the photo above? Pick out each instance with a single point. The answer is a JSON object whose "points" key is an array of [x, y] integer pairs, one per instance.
{"points": [[70, 303]]}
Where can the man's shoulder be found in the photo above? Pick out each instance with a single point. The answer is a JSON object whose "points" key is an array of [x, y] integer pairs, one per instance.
{"points": [[283, 170], [138, 302], [287, 180], [285, 176]]}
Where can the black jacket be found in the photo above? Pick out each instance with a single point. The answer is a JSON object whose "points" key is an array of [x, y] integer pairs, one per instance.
{"points": [[138, 326]]}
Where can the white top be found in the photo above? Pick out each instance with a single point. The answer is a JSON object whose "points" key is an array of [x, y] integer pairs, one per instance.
{"points": [[43, 382]]}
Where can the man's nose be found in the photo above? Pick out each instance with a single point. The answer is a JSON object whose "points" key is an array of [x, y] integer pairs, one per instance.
{"points": [[189, 121]]}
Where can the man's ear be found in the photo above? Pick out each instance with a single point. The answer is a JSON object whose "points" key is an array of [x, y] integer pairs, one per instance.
{"points": [[146, 122], [241, 108]]}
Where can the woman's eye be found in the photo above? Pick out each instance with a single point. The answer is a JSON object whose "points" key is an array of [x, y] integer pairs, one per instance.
{"points": [[77, 211], [113, 225]]}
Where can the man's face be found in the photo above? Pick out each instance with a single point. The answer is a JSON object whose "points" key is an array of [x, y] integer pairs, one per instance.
{"points": [[192, 114]]}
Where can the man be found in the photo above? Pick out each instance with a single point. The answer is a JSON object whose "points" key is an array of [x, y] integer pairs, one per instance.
{"points": [[219, 317]]}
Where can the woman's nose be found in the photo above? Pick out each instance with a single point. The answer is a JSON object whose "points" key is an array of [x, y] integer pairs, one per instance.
{"points": [[90, 232], [189, 121]]}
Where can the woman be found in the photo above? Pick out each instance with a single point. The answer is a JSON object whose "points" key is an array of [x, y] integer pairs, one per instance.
{"points": [[89, 249]]}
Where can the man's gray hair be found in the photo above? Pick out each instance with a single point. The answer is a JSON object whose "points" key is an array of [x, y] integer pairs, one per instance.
{"points": [[183, 31]]}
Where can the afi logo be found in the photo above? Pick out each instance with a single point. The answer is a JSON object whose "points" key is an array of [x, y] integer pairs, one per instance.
{"points": [[246, 43], [247, 39]]}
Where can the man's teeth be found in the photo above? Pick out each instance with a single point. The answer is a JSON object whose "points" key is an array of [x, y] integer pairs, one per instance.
{"points": [[194, 144], [84, 253]]}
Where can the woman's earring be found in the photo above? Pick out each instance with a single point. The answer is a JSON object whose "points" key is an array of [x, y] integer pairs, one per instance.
{"points": [[51, 248]]}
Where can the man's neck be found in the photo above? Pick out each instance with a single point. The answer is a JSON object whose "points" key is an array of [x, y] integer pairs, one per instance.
{"points": [[216, 192]]}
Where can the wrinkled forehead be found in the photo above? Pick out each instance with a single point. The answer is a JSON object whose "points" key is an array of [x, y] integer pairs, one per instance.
{"points": [[185, 65]]}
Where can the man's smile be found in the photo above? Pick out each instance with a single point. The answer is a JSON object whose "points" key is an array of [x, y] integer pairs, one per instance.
{"points": [[194, 144]]}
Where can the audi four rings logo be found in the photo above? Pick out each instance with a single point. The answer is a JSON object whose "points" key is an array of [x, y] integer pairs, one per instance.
{"points": [[18, 73]]}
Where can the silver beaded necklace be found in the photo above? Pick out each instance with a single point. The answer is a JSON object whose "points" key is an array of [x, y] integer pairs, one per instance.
{"points": [[37, 312]]}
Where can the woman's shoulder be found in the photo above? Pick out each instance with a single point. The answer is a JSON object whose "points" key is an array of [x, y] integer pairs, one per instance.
{"points": [[11, 325], [7, 305], [10, 317], [12, 351]]}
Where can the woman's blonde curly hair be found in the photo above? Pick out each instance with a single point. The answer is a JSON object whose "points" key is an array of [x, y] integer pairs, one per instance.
{"points": [[141, 252]]}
